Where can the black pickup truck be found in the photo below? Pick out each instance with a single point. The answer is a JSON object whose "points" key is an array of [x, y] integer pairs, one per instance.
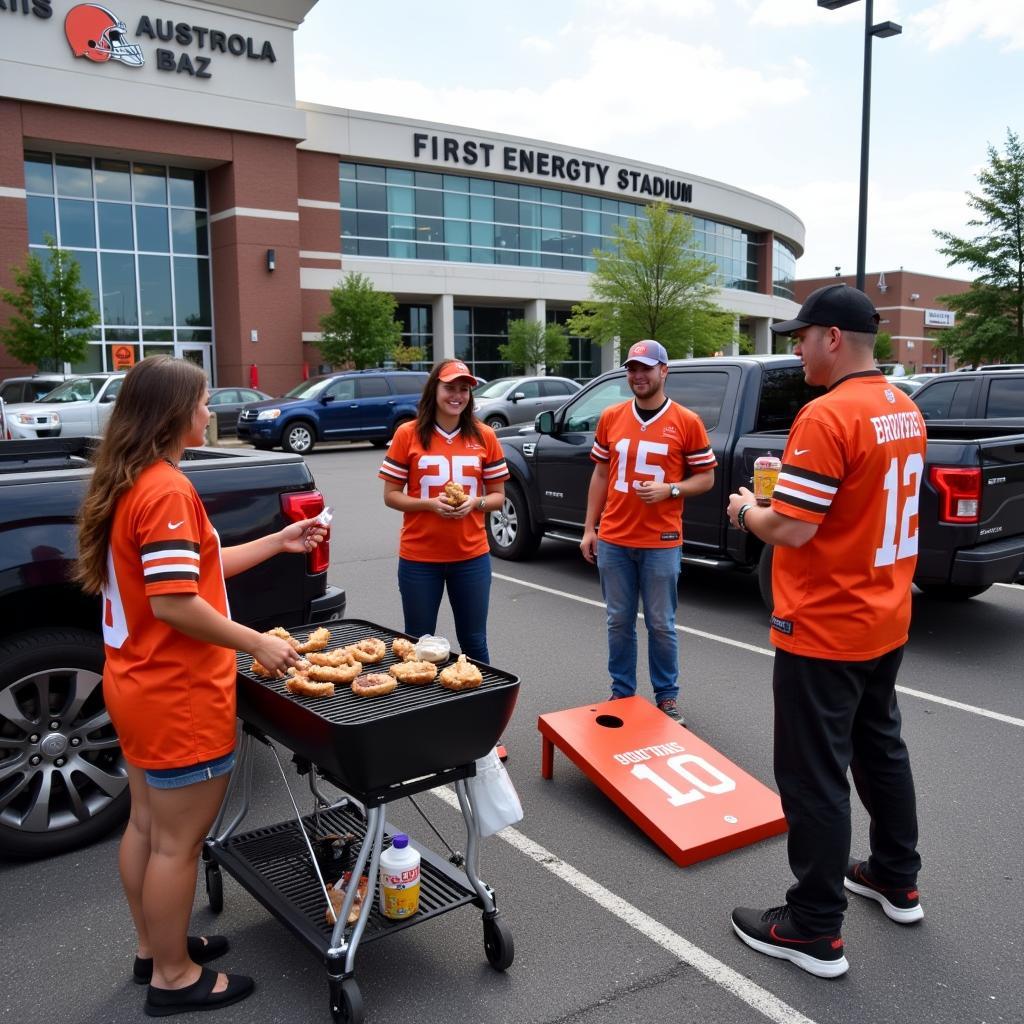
{"points": [[971, 511], [62, 778]]}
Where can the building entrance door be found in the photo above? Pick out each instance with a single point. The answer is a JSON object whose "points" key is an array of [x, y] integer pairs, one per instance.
{"points": [[198, 354]]}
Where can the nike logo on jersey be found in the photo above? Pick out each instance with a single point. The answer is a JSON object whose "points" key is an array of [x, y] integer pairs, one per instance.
{"points": [[801, 451], [174, 526]]}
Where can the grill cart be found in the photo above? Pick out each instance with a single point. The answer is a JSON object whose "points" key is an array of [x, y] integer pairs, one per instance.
{"points": [[375, 750]]}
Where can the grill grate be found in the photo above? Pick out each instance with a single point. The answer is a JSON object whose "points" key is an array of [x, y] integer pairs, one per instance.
{"points": [[346, 708], [275, 858]]}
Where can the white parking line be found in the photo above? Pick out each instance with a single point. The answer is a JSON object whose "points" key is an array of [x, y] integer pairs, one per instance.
{"points": [[759, 999], [768, 652]]}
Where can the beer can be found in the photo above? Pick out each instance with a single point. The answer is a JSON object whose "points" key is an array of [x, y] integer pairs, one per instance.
{"points": [[766, 475]]}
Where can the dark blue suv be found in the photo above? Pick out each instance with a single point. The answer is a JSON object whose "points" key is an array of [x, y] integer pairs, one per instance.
{"points": [[359, 405]]}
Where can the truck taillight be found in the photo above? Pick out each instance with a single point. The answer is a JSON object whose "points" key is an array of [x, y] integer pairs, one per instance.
{"points": [[959, 493], [304, 505]]}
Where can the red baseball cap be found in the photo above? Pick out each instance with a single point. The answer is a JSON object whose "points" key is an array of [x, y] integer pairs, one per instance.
{"points": [[454, 371]]}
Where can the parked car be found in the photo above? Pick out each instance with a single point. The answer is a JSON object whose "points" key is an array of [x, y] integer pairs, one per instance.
{"points": [[508, 400], [29, 389], [355, 405], [226, 403], [975, 396], [905, 384], [79, 407]]}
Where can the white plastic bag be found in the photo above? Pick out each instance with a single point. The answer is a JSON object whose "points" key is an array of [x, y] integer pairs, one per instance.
{"points": [[494, 798]]}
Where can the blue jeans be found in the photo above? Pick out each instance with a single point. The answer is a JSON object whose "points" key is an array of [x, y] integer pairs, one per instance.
{"points": [[422, 585], [627, 575]]}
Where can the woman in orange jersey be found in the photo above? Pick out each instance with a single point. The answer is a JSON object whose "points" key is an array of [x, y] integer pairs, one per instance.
{"points": [[147, 547], [444, 546]]}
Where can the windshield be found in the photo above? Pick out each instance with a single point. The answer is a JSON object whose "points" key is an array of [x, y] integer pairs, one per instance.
{"points": [[78, 389], [495, 388], [309, 388]]}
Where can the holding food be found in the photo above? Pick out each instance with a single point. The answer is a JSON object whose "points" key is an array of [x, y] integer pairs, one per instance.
{"points": [[415, 673], [454, 494], [377, 684], [463, 675]]}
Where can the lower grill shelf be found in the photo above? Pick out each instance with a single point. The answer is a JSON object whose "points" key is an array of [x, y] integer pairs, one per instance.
{"points": [[273, 864]]}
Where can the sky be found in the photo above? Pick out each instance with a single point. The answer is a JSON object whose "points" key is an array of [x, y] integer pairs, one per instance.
{"points": [[761, 94]]}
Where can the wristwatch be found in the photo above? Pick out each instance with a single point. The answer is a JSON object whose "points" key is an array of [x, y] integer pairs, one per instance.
{"points": [[673, 490], [481, 504]]}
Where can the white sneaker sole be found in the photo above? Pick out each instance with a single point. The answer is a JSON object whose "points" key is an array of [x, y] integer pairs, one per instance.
{"points": [[901, 915], [810, 964]]}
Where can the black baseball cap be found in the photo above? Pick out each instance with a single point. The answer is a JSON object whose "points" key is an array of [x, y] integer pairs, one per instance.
{"points": [[834, 305]]}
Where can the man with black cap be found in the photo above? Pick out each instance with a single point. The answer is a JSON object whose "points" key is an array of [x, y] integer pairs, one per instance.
{"points": [[649, 454], [843, 519]]}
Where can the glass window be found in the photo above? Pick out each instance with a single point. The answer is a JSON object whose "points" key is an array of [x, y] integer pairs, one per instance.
{"points": [[528, 389], [90, 279], [456, 205], [1006, 397], [342, 390], [584, 413], [42, 220], [74, 176], [551, 388], [396, 176], [783, 393], [481, 208], [115, 226], [481, 187], [373, 247], [76, 224], [425, 179], [364, 172], [150, 183], [226, 396], [151, 228], [38, 173], [401, 200], [371, 387], [456, 183], [119, 306], [187, 188], [429, 204], [157, 350], [371, 196], [408, 383], [159, 336], [935, 400], [347, 171], [192, 291], [113, 180], [188, 231], [372, 225], [155, 290]]}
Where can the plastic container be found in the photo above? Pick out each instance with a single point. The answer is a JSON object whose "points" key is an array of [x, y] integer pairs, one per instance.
{"points": [[432, 648], [399, 879]]}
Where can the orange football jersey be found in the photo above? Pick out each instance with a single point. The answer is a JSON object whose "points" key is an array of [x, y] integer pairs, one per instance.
{"points": [[853, 465], [667, 448], [426, 537], [171, 698]]}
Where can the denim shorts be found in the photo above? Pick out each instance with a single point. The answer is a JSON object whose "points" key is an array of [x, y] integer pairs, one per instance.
{"points": [[176, 778]]}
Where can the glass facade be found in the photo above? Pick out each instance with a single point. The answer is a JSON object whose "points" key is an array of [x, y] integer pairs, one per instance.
{"points": [[584, 359], [409, 214], [140, 234], [417, 331], [783, 269]]}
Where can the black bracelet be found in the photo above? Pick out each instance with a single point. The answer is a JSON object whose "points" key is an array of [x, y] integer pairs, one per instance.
{"points": [[741, 517]]}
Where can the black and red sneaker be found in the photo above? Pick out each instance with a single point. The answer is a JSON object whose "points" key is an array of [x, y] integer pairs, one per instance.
{"points": [[902, 905], [771, 932]]}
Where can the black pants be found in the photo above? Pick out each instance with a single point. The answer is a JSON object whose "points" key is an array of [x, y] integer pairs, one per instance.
{"points": [[830, 716]]}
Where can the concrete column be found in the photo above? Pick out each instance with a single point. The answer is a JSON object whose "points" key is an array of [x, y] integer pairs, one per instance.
{"points": [[733, 348], [762, 336], [610, 355], [535, 311], [444, 327]]}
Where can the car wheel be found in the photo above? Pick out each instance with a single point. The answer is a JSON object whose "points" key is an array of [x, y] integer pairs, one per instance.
{"points": [[299, 437], [496, 422], [509, 531], [63, 781]]}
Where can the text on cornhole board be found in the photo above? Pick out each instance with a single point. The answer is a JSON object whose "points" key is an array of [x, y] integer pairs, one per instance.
{"points": [[690, 799]]}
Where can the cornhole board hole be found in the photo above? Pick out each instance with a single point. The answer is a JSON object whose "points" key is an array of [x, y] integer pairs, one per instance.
{"points": [[686, 796]]}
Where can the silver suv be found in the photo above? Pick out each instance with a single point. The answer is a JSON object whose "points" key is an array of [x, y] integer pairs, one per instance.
{"points": [[508, 400]]}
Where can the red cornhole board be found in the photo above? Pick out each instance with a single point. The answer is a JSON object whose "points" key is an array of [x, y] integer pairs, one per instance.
{"points": [[693, 802]]}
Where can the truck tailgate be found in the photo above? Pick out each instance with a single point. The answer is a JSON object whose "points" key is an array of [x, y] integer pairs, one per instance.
{"points": [[1002, 487]]}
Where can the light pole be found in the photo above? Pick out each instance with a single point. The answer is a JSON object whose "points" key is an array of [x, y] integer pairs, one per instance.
{"points": [[883, 30]]}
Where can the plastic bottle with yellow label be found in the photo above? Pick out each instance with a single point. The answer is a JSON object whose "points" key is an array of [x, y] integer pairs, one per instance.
{"points": [[399, 879]]}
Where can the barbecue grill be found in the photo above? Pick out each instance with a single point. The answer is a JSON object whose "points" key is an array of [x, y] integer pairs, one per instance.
{"points": [[376, 750]]}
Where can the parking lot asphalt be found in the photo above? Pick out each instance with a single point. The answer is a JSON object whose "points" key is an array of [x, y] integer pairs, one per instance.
{"points": [[606, 927]]}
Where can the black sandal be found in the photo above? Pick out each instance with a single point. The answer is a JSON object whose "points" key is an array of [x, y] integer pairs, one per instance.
{"points": [[164, 1002], [200, 951]]}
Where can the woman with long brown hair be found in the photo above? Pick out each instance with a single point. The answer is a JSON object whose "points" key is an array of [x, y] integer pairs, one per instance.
{"points": [[444, 546], [147, 547]]}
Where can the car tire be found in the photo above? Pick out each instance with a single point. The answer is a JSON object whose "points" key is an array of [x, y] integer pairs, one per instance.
{"points": [[383, 442], [951, 591], [76, 792], [496, 422], [299, 437], [510, 534]]}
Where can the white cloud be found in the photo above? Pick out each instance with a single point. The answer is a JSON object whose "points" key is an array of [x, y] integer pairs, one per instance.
{"points": [[676, 9], [538, 43], [632, 87], [797, 13], [953, 21]]}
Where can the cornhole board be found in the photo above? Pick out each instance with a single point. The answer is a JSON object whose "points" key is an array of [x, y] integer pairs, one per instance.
{"points": [[686, 796]]}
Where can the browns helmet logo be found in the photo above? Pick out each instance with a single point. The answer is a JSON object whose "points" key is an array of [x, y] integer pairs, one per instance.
{"points": [[96, 34]]}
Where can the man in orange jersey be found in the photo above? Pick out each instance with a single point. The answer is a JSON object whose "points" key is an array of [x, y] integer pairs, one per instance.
{"points": [[649, 454], [843, 520]]}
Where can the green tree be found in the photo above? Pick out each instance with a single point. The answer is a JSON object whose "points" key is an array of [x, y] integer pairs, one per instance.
{"points": [[652, 287], [406, 355], [53, 311], [360, 330], [990, 316], [532, 343], [883, 347]]}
